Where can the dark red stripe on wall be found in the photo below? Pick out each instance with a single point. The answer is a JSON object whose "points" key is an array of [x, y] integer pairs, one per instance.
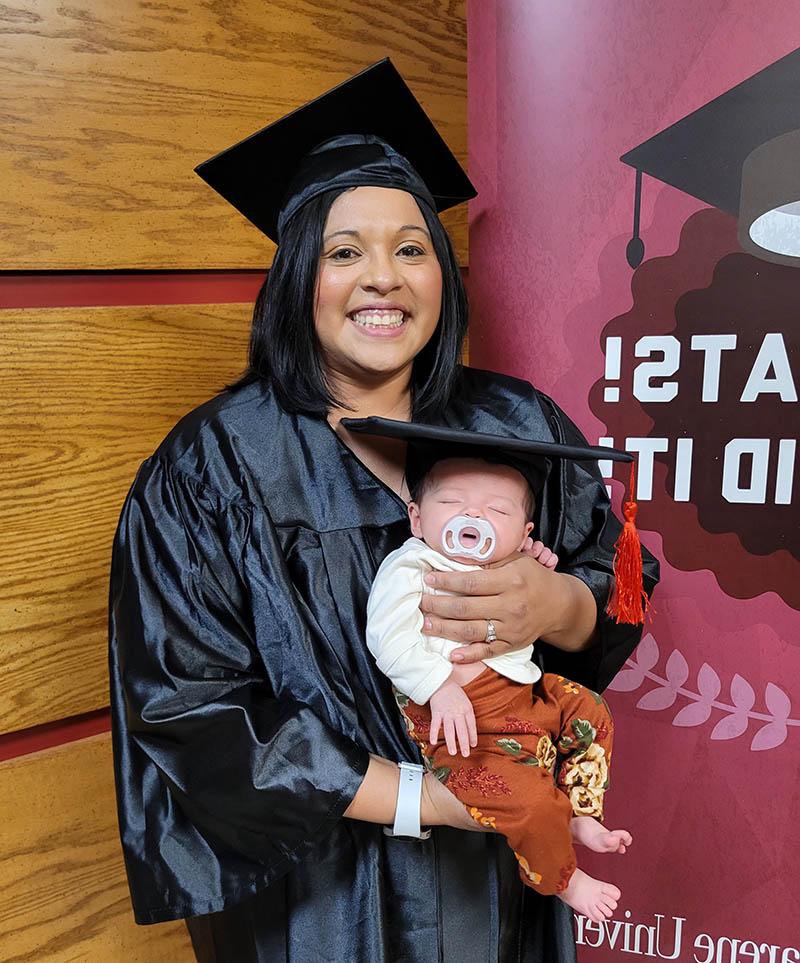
{"points": [[54, 734], [53, 290]]}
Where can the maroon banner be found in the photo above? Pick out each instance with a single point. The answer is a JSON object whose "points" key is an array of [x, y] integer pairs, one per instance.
{"points": [[635, 252]]}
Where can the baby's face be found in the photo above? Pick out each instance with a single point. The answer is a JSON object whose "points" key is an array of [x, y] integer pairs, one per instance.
{"points": [[469, 486]]}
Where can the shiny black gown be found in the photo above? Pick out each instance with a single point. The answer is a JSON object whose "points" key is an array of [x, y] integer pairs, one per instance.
{"points": [[245, 701]]}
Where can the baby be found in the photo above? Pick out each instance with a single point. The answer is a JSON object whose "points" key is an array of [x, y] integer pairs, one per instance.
{"points": [[513, 722]]}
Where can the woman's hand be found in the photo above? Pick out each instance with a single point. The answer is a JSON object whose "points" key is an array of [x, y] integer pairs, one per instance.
{"points": [[439, 807], [525, 601]]}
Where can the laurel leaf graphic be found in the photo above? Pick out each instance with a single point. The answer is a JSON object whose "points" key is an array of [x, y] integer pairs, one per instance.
{"points": [[778, 702], [737, 716], [708, 683], [730, 726], [647, 653], [627, 680], [742, 693], [695, 714], [657, 699], [677, 669], [769, 736]]}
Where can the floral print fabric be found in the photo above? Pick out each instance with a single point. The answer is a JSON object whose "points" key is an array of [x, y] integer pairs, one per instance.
{"points": [[543, 755]]}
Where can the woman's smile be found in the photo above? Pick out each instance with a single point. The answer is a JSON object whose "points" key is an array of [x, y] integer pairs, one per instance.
{"points": [[381, 321]]}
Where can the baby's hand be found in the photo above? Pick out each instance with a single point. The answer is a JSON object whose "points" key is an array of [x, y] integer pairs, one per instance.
{"points": [[541, 553], [452, 711]]}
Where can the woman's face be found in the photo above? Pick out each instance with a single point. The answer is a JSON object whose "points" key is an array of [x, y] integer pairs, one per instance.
{"points": [[379, 288]]}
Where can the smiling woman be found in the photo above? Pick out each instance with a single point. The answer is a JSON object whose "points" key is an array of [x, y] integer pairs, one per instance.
{"points": [[255, 738]]}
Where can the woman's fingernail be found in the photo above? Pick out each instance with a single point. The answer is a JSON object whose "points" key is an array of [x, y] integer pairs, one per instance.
{"points": [[426, 624], [430, 578], [458, 657]]}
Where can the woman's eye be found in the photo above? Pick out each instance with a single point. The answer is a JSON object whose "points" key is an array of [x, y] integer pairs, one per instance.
{"points": [[411, 250], [344, 254]]}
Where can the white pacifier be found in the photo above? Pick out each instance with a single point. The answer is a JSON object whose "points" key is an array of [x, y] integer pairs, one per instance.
{"points": [[479, 534]]}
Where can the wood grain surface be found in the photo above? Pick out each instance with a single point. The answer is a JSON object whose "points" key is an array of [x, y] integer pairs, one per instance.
{"points": [[106, 108], [63, 894], [86, 394]]}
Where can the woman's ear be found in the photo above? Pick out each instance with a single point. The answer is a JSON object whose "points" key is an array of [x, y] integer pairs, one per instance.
{"points": [[414, 518]]}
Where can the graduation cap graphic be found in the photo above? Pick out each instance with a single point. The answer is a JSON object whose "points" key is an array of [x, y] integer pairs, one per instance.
{"points": [[741, 153]]}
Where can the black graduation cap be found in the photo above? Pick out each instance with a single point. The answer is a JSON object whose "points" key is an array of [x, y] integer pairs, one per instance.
{"points": [[740, 153], [428, 444], [368, 131], [431, 443]]}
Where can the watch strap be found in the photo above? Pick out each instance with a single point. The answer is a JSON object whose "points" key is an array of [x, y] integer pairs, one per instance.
{"points": [[409, 799]]}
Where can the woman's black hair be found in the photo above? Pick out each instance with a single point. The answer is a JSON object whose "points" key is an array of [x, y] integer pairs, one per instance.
{"points": [[284, 348]]}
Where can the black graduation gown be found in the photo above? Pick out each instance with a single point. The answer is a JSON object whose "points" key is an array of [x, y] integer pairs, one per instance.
{"points": [[245, 701]]}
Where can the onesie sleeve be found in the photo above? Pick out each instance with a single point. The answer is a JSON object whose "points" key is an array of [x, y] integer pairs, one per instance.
{"points": [[394, 628], [208, 760]]}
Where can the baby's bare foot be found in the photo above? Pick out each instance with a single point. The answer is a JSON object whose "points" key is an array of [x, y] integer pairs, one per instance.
{"points": [[590, 897], [589, 832]]}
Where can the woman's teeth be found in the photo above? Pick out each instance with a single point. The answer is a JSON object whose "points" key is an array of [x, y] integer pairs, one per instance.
{"points": [[379, 319]]}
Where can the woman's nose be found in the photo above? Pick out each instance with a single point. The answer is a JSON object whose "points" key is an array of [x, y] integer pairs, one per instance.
{"points": [[381, 274]]}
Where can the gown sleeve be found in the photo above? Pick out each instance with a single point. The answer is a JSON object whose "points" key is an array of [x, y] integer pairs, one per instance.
{"points": [[207, 756], [587, 529]]}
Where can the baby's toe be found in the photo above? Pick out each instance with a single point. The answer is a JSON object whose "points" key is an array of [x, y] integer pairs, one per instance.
{"points": [[607, 909], [595, 913]]}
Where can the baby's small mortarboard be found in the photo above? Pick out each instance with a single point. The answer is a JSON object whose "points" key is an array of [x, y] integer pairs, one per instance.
{"points": [[429, 444], [368, 131], [741, 153]]}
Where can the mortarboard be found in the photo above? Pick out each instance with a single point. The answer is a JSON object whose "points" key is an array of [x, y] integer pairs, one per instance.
{"points": [[431, 443], [368, 131], [740, 153]]}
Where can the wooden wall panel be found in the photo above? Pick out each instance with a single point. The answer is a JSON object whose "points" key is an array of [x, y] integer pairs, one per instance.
{"points": [[63, 894], [85, 395], [106, 106]]}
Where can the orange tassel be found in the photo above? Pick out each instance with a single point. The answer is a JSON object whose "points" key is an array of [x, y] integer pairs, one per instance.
{"points": [[628, 603]]}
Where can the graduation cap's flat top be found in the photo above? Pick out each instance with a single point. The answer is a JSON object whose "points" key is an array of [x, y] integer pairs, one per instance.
{"points": [[274, 170], [464, 440], [703, 153]]}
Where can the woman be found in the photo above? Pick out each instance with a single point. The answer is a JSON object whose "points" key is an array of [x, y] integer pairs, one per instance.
{"points": [[255, 740]]}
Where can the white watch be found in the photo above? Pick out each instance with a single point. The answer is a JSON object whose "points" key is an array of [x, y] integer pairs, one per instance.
{"points": [[409, 801]]}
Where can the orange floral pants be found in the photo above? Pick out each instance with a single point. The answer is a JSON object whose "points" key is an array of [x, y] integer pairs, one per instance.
{"points": [[542, 756]]}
